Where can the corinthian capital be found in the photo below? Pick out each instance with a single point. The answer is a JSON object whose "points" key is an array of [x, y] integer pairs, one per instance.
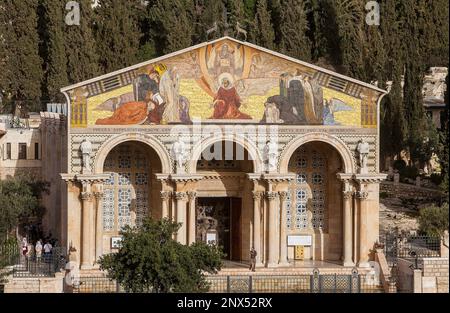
{"points": [[362, 195], [165, 195], [179, 195], [271, 195], [191, 195], [347, 194], [257, 195], [283, 195], [86, 196]]}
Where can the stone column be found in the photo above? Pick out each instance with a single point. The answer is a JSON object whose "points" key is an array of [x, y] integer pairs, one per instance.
{"points": [[181, 198], [257, 195], [283, 236], [165, 197], [99, 226], [192, 221], [347, 244], [273, 240], [363, 224], [86, 222]]}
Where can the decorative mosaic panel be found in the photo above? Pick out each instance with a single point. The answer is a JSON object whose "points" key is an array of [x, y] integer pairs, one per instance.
{"points": [[309, 189], [108, 209], [127, 189], [224, 80]]}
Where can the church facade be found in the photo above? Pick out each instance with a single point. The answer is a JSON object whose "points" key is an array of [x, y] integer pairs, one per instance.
{"points": [[243, 146]]}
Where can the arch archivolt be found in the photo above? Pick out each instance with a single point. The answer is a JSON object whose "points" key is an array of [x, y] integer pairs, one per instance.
{"points": [[151, 141], [248, 145], [335, 142]]}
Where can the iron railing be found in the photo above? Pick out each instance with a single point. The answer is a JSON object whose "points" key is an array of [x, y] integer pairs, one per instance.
{"points": [[45, 266], [315, 283], [409, 247]]}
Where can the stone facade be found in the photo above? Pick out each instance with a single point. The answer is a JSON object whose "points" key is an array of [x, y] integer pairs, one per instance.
{"points": [[327, 209]]}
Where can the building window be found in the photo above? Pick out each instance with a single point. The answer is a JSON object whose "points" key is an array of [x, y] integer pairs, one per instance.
{"points": [[22, 151], [36, 151], [128, 188], [8, 151], [308, 190]]}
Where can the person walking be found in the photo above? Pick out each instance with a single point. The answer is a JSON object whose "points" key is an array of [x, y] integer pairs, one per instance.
{"points": [[253, 255]]}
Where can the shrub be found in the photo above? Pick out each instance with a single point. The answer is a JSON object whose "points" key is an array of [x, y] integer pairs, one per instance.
{"points": [[433, 221], [436, 179], [409, 172], [399, 165]]}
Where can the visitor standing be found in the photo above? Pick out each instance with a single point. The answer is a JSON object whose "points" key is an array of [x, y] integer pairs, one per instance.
{"points": [[253, 255], [38, 250], [47, 250]]}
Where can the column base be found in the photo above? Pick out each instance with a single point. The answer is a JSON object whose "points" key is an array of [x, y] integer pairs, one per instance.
{"points": [[259, 265], [364, 264], [284, 264], [272, 265], [86, 267], [348, 264]]}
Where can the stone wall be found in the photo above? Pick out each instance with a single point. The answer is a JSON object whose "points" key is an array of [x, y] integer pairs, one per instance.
{"points": [[35, 284], [435, 275]]}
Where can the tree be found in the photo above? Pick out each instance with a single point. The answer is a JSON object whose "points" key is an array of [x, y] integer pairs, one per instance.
{"points": [[53, 50], [263, 32], [433, 221], [81, 50], [150, 260], [22, 67], [444, 153], [349, 19], [19, 202], [116, 20], [294, 26], [173, 23]]}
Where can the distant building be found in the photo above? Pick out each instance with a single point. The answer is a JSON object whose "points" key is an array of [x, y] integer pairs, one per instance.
{"points": [[433, 93]]}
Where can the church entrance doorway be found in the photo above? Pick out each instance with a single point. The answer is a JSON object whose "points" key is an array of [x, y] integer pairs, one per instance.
{"points": [[219, 219]]}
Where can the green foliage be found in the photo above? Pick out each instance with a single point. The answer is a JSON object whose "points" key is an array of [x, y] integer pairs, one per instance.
{"points": [[21, 70], [150, 260], [410, 172], [81, 49], [9, 251], [384, 195], [262, 31], [436, 179], [294, 26], [433, 221], [19, 202], [115, 21], [399, 165], [53, 51]]}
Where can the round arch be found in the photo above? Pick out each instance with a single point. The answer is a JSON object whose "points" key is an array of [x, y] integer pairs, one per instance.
{"points": [[338, 144], [152, 142], [251, 148]]}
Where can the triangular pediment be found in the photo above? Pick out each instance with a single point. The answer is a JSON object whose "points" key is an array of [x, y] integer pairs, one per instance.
{"points": [[224, 79]]}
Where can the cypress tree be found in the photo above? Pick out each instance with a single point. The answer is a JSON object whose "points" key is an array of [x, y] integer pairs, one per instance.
{"points": [[53, 50], [262, 31], [444, 154], [350, 19], [80, 46], [22, 66], [117, 33], [294, 26], [175, 29]]}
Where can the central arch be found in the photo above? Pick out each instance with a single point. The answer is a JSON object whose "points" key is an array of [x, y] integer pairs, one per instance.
{"points": [[249, 146]]}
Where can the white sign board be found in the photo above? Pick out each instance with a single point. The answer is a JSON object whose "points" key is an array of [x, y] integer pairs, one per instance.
{"points": [[299, 240], [116, 242], [211, 238]]}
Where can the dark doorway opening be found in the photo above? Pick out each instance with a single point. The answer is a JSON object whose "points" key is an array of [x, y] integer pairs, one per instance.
{"points": [[223, 215]]}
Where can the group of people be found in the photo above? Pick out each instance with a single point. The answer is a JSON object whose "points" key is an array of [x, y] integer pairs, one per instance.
{"points": [[30, 250]]}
